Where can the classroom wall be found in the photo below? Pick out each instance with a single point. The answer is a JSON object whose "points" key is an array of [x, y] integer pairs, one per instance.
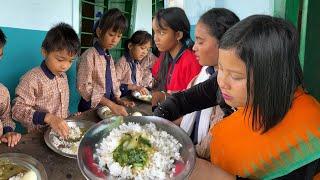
{"points": [[143, 20], [243, 8], [25, 24]]}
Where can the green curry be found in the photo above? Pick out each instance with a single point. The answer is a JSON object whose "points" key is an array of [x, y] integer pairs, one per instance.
{"points": [[8, 170], [134, 150]]}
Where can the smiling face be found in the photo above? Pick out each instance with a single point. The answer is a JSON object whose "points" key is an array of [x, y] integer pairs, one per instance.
{"points": [[58, 62], [232, 78], [206, 46]]}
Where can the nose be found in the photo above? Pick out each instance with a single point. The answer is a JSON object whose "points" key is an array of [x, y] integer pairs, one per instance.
{"points": [[155, 38], [64, 66], [114, 39], [195, 47], [222, 81]]}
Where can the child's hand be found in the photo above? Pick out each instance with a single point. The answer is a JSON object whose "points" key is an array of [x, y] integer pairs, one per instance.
{"points": [[143, 90], [125, 103], [76, 114], [118, 110], [58, 125], [157, 97], [12, 138]]}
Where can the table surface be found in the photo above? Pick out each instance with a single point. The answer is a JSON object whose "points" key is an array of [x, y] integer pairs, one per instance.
{"points": [[57, 166], [60, 167]]}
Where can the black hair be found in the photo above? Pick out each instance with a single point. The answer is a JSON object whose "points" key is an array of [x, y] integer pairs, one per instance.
{"points": [[139, 38], [269, 48], [218, 21], [2, 38], [113, 19], [62, 37], [176, 19]]}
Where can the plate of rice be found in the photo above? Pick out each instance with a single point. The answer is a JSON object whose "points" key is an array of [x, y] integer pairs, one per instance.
{"points": [[134, 147], [68, 147], [138, 95], [17, 166]]}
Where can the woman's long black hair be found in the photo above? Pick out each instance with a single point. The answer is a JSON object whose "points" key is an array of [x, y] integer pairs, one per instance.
{"points": [[269, 48]]}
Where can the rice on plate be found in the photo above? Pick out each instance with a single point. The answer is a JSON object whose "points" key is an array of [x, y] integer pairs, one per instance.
{"points": [[134, 151], [70, 145]]}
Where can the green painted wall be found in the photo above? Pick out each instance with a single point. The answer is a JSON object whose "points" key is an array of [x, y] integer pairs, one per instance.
{"points": [[22, 53], [305, 15], [310, 46]]}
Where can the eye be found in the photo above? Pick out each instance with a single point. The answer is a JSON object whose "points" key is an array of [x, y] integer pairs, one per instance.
{"points": [[236, 78]]}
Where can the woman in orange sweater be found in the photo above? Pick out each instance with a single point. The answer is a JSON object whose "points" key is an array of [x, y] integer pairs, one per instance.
{"points": [[275, 132]]}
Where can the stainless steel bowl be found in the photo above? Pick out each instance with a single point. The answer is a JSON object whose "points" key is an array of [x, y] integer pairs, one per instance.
{"points": [[25, 161], [48, 138], [88, 163]]}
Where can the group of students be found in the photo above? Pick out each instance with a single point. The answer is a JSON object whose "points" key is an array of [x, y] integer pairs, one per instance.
{"points": [[248, 112], [42, 95], [237, 91]]}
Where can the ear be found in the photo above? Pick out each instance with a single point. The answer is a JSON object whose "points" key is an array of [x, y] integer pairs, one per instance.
{"points": [[179, 35], [130, 46], [98, 32], [44, 53]]}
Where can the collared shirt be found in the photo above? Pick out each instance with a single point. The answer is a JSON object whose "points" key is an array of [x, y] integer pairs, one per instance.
{"points": [[186, 67], [143, 76], [6, 122], [40, 92], [91, 76]]}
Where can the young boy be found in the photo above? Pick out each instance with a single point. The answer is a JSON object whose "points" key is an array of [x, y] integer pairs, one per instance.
{"points": [[7, 125], [42, 96], [96, 75]]}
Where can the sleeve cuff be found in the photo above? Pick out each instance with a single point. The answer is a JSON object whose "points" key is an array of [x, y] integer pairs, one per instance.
{"points": [[38, 118], [7, 129], [124, 89]]}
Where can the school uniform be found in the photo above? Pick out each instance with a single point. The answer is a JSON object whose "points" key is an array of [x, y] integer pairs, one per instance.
{"points": [[6, 122], [182, 69], [96, 77], [38, 93], [130, 71]]}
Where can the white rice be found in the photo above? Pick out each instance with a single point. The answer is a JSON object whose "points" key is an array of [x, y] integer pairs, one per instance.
{"points": [[67, 147], [161, 163]]}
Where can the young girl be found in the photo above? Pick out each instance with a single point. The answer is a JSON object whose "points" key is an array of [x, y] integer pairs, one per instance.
{"points": [[133, 68], [209, 30], [96, 76], [177, 64], [275, 130]]}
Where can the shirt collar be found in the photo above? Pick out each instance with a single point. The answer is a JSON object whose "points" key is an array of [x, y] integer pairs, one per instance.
{"points": [[210, 70], [129, 58], [100, 50], [46, 70]]}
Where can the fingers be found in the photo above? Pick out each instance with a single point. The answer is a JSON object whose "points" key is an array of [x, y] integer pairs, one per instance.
{"points": [[9, 137], [123, 111], [60, 127], [64, 129], [15, 138], [4, 139]]}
